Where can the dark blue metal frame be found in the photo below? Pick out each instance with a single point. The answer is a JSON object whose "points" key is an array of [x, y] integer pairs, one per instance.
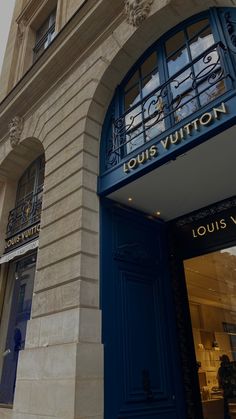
{"points": [[114, 177]]}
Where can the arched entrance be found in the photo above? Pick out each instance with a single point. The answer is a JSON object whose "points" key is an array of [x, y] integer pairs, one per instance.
{"points": [[175, 106]]}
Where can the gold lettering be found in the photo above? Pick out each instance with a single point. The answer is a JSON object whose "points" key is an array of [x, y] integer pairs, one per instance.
{"points": [[187, 128], [153, 151], [193, 232], [223, 223], [218, 111], [181, 132], [125, 168], [212, 228], [176, 139], [132, 163], [195, 124], [166, 143], [206, 118], [142, 157], [201, 231], [233, 219]]}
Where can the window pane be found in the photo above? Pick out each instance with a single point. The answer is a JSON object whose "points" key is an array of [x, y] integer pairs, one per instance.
{"points": [[175, 43], [187, 106], [149, 65], [182, 83], [203, 41], [197, 27], [211, 285], [177, 61], [132, 97], [132, 81], [209, 92], [150, 83]]}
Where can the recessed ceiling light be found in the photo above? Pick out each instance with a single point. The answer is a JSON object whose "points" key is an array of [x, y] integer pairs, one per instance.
{"points": [[130, 199], [158, 213]]}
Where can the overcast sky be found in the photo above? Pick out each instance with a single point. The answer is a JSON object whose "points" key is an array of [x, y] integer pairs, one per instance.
{"points": [[6, 9]]}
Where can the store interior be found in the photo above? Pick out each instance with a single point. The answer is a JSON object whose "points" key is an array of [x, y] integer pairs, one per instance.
{"points": [[211, 285]]}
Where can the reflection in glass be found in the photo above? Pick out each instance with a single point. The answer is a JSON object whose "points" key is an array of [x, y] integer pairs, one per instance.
{"points": [[211, 285], [188, 107], [177, 61], [150, 83], [201, 43], [149, 65], [197, 27], [174, 43]]}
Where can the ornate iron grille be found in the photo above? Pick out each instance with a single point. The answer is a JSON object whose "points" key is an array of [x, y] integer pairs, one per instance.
{"points": [[194, 86], [25, 214]]}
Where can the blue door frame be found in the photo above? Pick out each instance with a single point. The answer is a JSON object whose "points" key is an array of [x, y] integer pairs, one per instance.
{"points": [[142, 359]]}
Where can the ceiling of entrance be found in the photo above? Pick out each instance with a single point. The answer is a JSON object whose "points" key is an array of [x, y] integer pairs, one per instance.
{"points": [[202, 176]]}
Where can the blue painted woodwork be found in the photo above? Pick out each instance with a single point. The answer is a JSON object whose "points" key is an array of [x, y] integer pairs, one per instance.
{"points": [[20, 292], [142, 367], [162, 105]]}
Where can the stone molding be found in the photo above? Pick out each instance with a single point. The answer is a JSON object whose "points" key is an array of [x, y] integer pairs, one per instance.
{"points": [[15, 130], [137, 11]]}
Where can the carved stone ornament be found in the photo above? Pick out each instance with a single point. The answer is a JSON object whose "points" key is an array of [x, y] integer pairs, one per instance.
{"points": [[21, 29], [137, 11], [15, 130]]}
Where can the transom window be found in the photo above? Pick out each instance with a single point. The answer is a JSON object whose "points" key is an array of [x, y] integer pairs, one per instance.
{"points": [[182, 73]]}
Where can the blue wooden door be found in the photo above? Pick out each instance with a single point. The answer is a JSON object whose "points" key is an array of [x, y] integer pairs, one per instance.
{"points": [[142, 370], [22, 289]]}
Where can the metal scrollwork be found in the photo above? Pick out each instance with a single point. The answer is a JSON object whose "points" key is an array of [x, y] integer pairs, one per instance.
{"points": [[182, 95], [25, 214], [230, 25]]}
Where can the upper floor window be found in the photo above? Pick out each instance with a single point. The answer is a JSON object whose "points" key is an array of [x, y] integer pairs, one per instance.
{"points": [[44, 35], [181, 73]]}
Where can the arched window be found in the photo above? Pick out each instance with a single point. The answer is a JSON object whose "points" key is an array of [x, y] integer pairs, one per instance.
{"points": [[28, 205], [183, 72]]}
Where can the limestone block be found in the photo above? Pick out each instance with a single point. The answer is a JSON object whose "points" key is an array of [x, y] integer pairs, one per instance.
{"points": [[90, 162], [89, 294], [90, 200], [61, 272], [90, 325], [89, 398], [56, 299], [51, 135], [66, 154], [47, 363], [80, 265], [53, 398], [93, 128], [54, 329], [89, 361], [64, 171], [6, 413], [70, 184], [89, 266], [91, 144], [78, 241], [55, 231], [63, 207], [67, 133]]}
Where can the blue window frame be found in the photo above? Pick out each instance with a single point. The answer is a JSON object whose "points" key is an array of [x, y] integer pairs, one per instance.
{"points": [[180, 74]]}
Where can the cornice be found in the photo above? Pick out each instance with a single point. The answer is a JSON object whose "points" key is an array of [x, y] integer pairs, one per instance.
{"points": [[72, 41], [29, 10]]}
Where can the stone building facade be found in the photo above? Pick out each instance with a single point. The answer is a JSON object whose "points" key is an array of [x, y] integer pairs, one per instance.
{"points": [[63, 62]]}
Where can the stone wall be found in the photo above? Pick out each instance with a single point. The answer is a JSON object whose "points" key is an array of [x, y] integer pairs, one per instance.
{"points": [[60, 372]]}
